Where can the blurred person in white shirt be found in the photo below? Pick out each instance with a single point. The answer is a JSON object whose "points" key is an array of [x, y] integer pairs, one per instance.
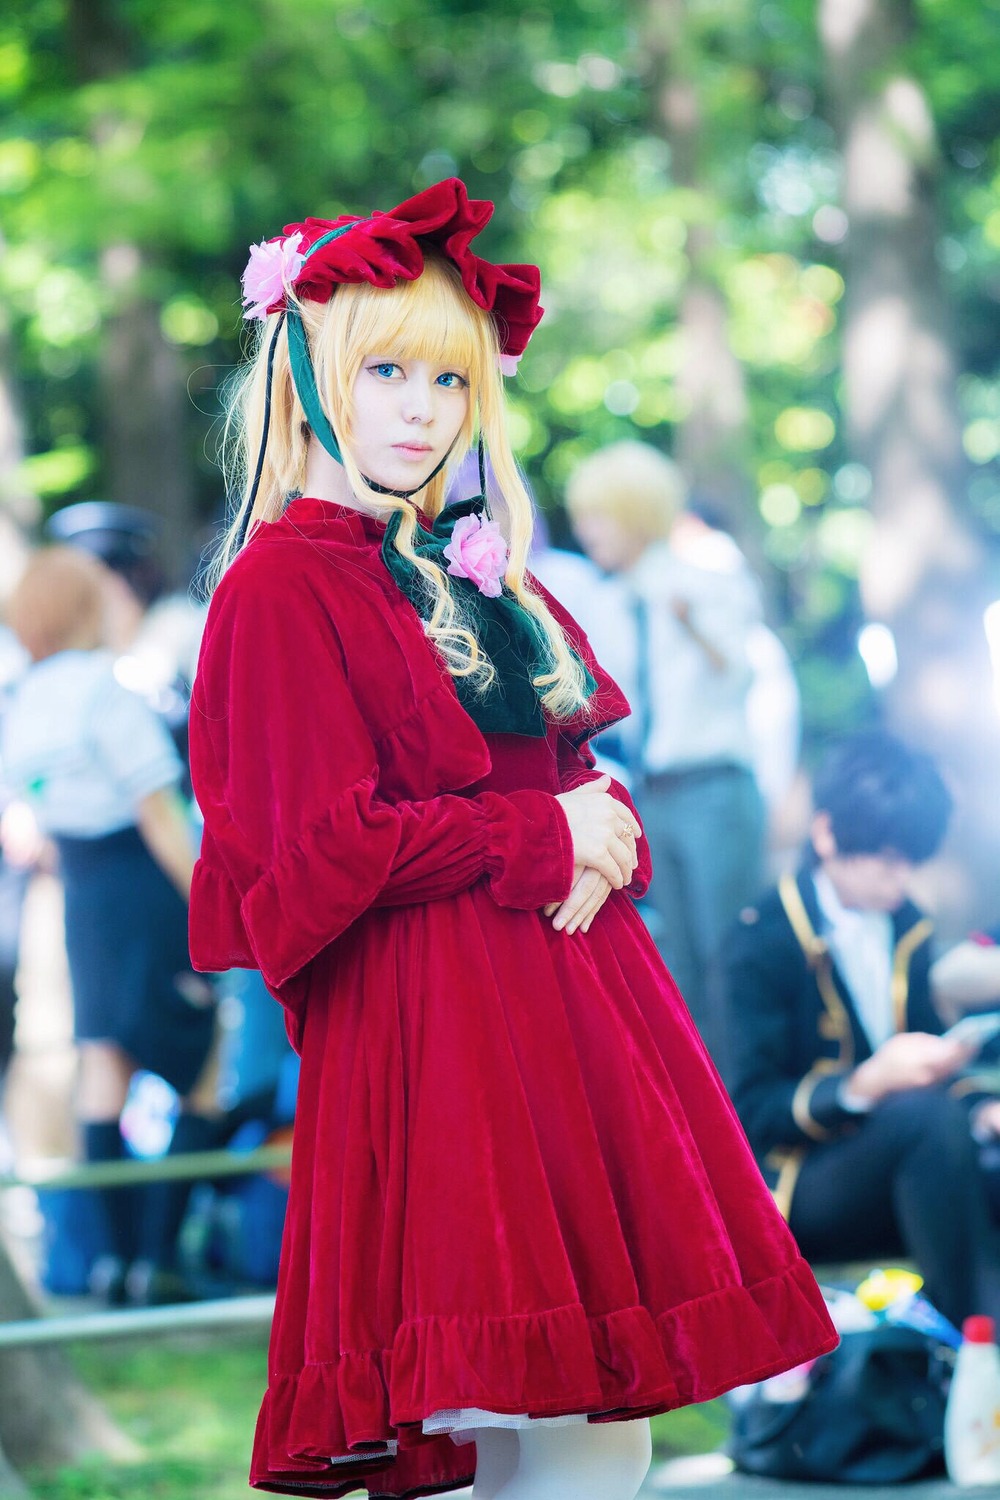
{"points": [[676, 636]]}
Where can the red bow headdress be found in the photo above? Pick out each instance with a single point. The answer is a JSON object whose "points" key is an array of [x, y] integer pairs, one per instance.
{"points": [[319, 254]]}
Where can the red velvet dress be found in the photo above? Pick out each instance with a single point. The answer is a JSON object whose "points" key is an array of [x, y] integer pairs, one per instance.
{"points": [[517, 1183]]}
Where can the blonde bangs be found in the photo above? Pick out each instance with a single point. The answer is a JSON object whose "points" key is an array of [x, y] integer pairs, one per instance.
{"points": [[431, 318]]}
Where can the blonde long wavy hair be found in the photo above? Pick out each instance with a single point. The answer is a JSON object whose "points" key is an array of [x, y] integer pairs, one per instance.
{"points": [[430, 318]]}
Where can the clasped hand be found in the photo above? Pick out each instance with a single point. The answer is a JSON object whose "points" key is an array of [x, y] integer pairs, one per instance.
{"points": [[604, 833]]}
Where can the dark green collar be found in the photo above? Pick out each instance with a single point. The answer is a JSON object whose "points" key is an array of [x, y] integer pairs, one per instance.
{"points": [[506, 632]]}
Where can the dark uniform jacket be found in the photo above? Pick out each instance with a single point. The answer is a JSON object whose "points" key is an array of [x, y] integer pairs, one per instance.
{"points": [[792, 1030]]}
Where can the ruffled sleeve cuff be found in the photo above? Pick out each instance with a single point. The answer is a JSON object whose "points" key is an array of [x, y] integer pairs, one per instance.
{"points": [[529, 854], [321, 883]]}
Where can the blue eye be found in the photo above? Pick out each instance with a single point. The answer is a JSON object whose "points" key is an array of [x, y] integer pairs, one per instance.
{"points": [[385, 369], [451, 380]]}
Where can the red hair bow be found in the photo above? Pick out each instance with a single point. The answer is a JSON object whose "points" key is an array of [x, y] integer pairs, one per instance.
{"points": [[386, 247]]}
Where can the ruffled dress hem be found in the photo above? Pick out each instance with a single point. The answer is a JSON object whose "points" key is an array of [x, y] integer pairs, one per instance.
{"points": [[337, 1419]]}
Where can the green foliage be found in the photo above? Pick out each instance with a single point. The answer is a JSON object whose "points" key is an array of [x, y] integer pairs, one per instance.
{"points": [[189, 1401], [172, 1479], [690, 1429], [176, 132]]}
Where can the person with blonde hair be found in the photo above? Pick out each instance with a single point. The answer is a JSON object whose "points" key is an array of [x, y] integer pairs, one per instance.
{"points": [[99, 771], [677, 635], [521, 1217], [623, 499]]}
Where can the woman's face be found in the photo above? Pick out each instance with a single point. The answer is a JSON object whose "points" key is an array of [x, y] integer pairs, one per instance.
{"points": [[407, 414]]}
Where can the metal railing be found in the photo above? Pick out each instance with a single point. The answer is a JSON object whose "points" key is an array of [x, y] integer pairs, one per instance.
{"points": [[172, 1317], [186, 1165], [240, 1310]]}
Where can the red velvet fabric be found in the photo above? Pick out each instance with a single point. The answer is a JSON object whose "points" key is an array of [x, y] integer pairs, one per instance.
{"points": [[517, 1183], [386, 247]]}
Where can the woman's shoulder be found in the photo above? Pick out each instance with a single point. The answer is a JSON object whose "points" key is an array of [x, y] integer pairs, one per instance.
{"points": [[325, 570], [318, 603], [311, 614]]}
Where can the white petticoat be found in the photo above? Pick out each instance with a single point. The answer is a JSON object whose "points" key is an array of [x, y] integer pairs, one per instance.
{"points": [[461, 1425]]}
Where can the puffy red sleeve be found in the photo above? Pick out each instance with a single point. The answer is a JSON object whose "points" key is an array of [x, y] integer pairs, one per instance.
{"points": [[298, 841]]}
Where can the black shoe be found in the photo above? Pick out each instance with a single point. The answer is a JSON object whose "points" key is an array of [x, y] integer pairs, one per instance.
{"points": [[106, 1280], [150, 1285]]}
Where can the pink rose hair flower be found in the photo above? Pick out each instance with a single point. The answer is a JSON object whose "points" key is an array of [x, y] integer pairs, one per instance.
{"points": [[477, 551], [271, 269]]}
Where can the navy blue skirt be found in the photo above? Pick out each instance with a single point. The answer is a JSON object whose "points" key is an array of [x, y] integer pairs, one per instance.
{"points": [[127, 945]]}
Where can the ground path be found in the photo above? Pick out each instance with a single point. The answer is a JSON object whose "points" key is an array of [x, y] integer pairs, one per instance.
{"points": [[705, 1478], [708, 1476]]}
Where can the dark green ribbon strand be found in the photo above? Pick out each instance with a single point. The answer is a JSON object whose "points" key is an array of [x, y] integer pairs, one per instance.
{"points": [[304, 380]]}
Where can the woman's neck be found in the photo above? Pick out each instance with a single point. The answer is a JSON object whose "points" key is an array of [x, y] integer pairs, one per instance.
{"points": [[327, 479]]}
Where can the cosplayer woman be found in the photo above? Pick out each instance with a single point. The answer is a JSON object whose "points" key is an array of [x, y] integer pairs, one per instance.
{"points": [[522, 1216]]}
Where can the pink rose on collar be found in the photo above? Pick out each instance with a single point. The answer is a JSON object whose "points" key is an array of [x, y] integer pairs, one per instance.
{"points": [[273, 266], [477, 551]]}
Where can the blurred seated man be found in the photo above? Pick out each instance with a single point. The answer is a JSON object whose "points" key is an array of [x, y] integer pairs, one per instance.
{"points": [[835, 1058]]}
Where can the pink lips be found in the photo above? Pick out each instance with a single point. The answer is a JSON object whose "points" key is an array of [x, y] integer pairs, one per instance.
{"points": [[412, 450]]}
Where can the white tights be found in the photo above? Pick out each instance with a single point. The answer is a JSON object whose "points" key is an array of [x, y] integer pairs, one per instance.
{"points": [[592, 1461]]}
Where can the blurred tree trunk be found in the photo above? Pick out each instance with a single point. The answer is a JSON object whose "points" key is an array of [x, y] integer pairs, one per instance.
{"points": [[47, 1417], [711, 446], [144, 408], [15, 497], [143, 392], [923, 573], [12, 1486]]}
